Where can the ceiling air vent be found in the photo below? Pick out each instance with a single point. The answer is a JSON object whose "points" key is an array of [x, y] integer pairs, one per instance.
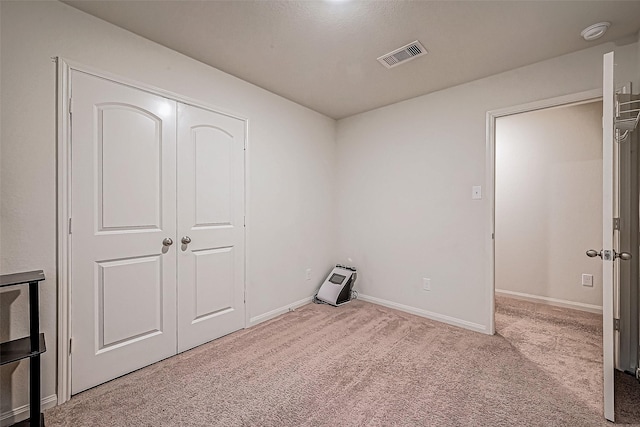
{"points": [[403, 54]]}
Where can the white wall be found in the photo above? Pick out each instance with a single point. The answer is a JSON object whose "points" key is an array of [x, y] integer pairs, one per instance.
{"points": [[292, 163], [406, 172], [549, 202]]}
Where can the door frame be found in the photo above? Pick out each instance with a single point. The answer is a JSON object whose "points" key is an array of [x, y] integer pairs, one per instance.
{"points": [[63, 195], [492, 116]]}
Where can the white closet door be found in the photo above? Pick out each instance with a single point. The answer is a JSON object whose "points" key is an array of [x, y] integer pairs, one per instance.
{"points": [[210, 225], [123, 279]]}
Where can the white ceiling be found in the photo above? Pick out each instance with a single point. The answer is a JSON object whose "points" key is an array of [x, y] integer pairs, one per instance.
{"points": [[322, 54]]}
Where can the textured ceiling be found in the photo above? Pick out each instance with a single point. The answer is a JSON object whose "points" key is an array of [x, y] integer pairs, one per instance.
{"points": [[322, 54]]}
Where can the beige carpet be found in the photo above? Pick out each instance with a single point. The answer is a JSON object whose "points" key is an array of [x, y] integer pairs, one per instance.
{"points": [[366, 365]]}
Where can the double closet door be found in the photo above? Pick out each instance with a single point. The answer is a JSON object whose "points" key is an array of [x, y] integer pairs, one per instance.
{"points": [[157, 228]]}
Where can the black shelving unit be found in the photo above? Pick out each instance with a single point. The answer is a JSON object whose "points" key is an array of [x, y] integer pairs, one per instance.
{"points": [[28, 347]]}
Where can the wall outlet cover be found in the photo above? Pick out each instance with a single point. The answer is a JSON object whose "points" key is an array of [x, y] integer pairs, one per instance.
{"points": [[426, 284], [587, 280]]}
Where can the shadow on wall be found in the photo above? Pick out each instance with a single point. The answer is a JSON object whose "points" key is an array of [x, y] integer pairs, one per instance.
{"points": [[6, 371]]}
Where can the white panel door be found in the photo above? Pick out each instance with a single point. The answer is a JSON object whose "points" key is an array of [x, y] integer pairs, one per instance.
{"points": [[609, 204], [210, 225], [123, 279]]}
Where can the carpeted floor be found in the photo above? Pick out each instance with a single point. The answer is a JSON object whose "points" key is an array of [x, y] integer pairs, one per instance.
{"points": [[367, 365]]}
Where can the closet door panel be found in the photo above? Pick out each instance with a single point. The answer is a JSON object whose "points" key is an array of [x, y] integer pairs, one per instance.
{"points": [[123, 205], [213, 157], [129, 169], [213, 297], [210, 225]]}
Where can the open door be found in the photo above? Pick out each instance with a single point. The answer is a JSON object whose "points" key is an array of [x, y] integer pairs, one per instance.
{"points": [[610, 254], [609, 211]]}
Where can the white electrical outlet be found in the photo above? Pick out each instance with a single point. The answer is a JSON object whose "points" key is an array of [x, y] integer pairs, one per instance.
{"points": [[426, 284], [308, 274], [587, 280]]}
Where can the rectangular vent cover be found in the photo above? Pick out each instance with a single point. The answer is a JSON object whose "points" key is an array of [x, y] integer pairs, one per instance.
{"points": [[403, 54]]}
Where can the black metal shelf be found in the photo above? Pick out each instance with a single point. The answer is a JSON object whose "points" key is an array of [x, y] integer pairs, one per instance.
{"points": [[30, 347], [12, 351], [21, 278], [27, 422]]}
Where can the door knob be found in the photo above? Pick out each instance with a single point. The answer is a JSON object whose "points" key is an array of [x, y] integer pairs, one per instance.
{"points": [[592, 253], [624, 256], [167, 241], [186, 240]]}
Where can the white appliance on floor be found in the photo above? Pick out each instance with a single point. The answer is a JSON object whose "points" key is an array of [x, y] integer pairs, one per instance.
{"points": [[336, 288]]}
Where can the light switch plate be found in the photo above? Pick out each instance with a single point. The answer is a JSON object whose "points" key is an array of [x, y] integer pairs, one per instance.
{"points": [[587, 280]]}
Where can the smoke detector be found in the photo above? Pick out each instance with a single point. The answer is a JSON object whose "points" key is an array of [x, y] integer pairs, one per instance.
{"points": [[403, 54], [595, 31]]}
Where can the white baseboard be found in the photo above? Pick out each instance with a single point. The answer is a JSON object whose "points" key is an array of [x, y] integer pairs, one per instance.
{"points": [[428, 314], [551, 301], [22, 412], [278, 311]]}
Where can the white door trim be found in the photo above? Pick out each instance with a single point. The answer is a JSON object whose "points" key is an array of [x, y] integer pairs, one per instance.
{"points": [[64, 242], [64, 67], [610, 193], [490, 168]]}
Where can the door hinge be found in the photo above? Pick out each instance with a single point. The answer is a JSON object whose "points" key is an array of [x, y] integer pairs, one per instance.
{"points": [[69, 225], [616, 324], [244, 221], [616, 223], [70, 105], [493, 236], [70, 346]]}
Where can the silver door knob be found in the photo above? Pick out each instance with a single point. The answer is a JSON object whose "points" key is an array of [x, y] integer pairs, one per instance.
{"points": [[625, 256], [186, 240], [592, 253], [167, 241]]}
